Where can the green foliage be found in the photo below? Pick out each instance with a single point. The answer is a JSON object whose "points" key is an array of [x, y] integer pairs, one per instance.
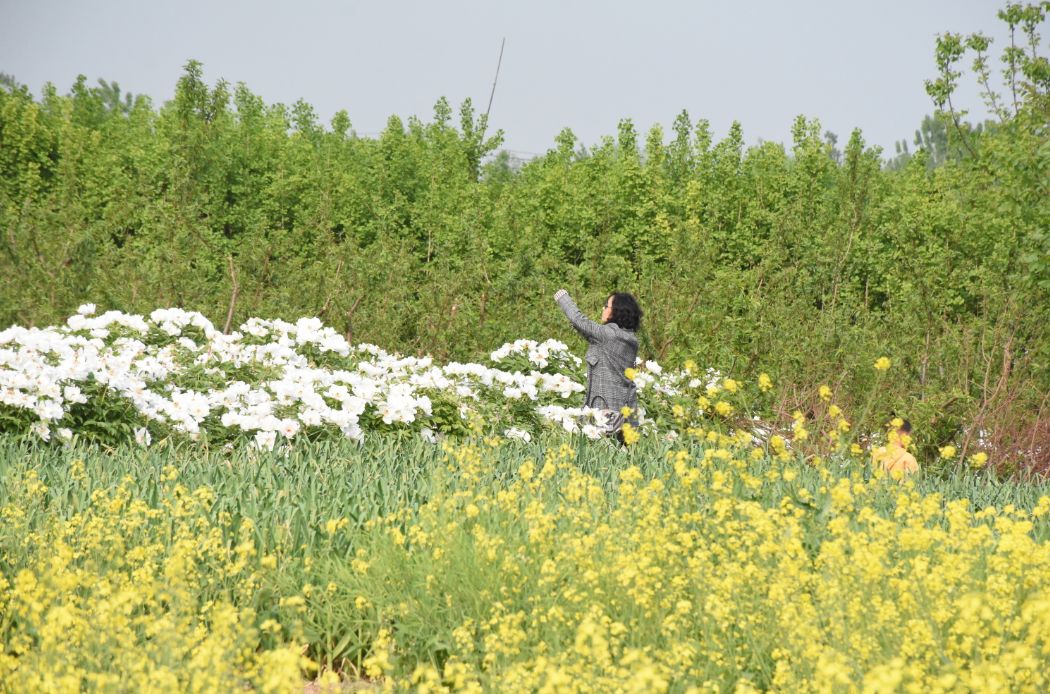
{"points": [[800, 262]]}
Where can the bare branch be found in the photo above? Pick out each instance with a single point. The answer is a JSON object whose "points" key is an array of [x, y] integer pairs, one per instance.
{"points": [[233, 296]]}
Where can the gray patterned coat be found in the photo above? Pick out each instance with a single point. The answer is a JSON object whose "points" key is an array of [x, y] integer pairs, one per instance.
{"points": [[610, 351]]}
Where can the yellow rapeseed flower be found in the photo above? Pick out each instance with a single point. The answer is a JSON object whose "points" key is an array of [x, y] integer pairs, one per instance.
{"points": [[777, 443], [630, 434], [334, 525]]}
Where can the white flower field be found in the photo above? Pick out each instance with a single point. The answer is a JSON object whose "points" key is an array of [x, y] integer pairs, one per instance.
{"points": [[116, 377]]}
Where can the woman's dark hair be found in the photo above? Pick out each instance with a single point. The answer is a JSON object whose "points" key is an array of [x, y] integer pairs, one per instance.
{"points": [[625, 311]]}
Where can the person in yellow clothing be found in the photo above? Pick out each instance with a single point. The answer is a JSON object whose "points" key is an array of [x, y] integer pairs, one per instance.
{"points": [[894, 457]]}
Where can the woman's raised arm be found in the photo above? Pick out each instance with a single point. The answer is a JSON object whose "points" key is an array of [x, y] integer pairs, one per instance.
{"points": [[591, 331]]}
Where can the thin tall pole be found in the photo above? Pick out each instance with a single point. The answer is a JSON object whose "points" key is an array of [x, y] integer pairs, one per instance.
{"points": [[493, 92]]}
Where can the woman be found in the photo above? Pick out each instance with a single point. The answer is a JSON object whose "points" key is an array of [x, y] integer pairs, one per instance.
{"points": [[612, 347]]}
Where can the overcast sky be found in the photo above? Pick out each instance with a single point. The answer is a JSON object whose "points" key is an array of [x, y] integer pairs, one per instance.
{"points": [[582, 65]]}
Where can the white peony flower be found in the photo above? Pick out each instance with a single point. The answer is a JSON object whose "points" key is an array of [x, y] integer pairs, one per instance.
{"points": [[515, 433], [591, 431], [41, 429], [288, 428], [265, 440], [352, 431], [143, 437], [48, 410], [311, 417]]}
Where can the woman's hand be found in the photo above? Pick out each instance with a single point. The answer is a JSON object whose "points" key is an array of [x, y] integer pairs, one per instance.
{"points": [[559, 294]]}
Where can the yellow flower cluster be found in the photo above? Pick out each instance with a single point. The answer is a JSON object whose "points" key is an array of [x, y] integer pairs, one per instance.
{"points": [[123, 597], [630, 434], [681, 581]]}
